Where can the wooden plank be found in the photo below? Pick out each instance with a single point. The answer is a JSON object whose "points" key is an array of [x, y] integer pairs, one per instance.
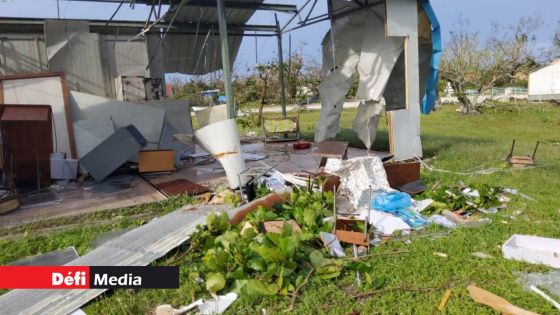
{"points": [[181, 186], [399, 174], [156, 161], [138, 247]]}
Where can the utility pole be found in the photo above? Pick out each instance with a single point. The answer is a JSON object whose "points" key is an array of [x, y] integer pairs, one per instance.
{"points": [[226, 64]]}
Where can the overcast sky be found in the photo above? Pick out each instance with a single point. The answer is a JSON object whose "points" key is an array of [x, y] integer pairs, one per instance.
{"points": [[480, 13]]}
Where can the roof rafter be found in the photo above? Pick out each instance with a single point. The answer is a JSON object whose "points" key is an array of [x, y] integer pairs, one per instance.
{"points": [[230, 4]]}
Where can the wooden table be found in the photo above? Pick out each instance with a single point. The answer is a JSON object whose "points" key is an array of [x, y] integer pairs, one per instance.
{"points": [[331, 149]]}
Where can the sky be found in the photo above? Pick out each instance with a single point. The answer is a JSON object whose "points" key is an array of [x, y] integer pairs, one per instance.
{"points": [[480, 14]]}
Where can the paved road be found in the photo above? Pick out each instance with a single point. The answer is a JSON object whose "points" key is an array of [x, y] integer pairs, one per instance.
{"points": [[289, 108]]}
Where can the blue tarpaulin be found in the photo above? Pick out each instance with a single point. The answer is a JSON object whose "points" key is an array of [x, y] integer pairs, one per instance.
{"points": [[431, 87]]}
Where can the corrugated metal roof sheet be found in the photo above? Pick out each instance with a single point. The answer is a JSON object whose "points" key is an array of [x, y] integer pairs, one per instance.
{"points": [[138, 247], [193, 54], [22, 53]]}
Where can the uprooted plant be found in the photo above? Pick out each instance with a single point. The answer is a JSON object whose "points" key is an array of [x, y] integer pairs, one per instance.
{"points": [[243, 258]]}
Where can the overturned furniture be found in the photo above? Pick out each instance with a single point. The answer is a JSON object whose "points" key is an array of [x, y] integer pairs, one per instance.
{"points": [[521, 161], [281, 129], [330, 149]]}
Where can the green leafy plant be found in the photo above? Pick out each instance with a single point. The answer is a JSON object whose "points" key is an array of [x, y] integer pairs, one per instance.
{"points": [[239, 258], [453, 198]]}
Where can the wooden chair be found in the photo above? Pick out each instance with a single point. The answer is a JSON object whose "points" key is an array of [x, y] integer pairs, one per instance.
{"points": [[281, 129]]}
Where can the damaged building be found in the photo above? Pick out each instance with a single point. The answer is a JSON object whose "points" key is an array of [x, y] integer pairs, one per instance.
{"points": [[117, 141]]}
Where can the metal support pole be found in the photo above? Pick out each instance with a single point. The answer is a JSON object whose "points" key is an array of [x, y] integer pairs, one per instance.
{"points": [[226, 64], [281, 68]]}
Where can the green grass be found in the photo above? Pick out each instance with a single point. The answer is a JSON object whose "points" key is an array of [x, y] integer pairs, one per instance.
{"points": [[452, 142]]}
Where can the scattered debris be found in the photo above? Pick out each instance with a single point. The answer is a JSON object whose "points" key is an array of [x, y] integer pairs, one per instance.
{"points": [[9, 203], [443, 221], [386, 223], [401, 288], [533, 249], [331, 242], [545, 296], [205, 307], [549, 280], [444, 255], [181, 186], [42, 199], [221, 139], [400, 205], [110, 185], [444, 299], [277, 226], [482, 255], [302, 145], [498, 303]]}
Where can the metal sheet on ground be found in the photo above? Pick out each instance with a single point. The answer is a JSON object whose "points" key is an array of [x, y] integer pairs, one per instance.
{"points": [[138, 247], [54, 258], [148, 120], [110, 154]]}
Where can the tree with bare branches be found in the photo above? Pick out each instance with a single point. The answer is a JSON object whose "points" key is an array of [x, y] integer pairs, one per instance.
{"points": [[467, 62], [266, 73]]}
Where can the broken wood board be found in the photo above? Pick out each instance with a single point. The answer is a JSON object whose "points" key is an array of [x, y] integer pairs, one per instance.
{"points": [[278, 226], [399, 174], [181, 186], [138, 247], [8, 204], [496, 302]]}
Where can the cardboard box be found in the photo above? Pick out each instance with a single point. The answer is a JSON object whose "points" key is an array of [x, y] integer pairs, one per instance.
{"points": [[533, 249], [156, 161]]}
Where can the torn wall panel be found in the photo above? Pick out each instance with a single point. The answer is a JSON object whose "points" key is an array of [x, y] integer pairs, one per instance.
{"points": [[22, 53], [395, 61], [370, 53], [402, 20], [73, 49], [148, 120]]}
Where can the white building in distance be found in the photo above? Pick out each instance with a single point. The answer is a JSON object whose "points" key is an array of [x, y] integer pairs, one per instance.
{"points": [[544, 83]]}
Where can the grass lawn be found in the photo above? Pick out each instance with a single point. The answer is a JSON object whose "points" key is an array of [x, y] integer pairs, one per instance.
{"points": [[452, 142]]}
